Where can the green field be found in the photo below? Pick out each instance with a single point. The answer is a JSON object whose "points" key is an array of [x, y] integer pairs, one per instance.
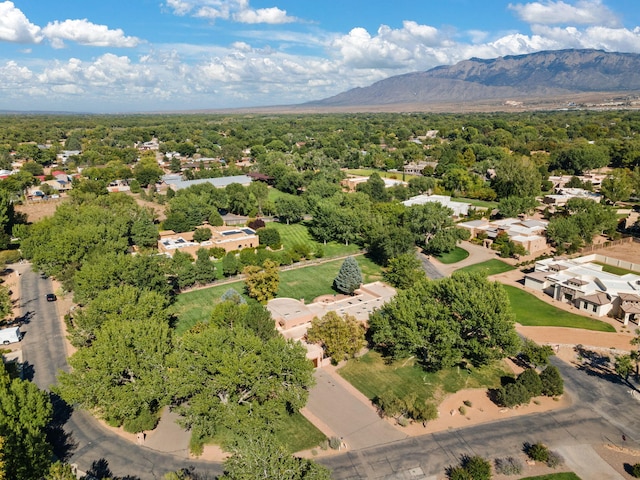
{"points": [[555, 476], [454, 256], [533, 312], [373, 375], [307, 282], [488, 268], [298, 233]]}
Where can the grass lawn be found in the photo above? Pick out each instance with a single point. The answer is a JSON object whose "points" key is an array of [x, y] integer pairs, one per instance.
{"points": [[533, 312], [476, 203], [614, 270], [297, 233], [308, 283], [454, 256], [555, 476], [488, 268], [372, 375], [295, 432], [274, 194], [366, 172]]}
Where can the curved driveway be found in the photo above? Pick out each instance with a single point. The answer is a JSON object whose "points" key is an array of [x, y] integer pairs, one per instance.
{"points": [[603, 410]]}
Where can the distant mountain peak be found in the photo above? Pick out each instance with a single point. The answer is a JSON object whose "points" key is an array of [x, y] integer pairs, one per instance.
{"points": [[540, 74]]}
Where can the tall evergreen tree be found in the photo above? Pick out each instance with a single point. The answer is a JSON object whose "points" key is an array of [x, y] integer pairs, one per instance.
{"points": [[349, 277]]}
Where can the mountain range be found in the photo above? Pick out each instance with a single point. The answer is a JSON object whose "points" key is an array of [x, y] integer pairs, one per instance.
{"points": [[538, 75]]}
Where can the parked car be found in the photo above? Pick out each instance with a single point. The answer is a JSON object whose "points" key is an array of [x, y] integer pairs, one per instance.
{"points": [[51, 297]]}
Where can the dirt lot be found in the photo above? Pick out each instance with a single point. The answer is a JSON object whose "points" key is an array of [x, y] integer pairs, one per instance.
{"points": [[38, 210]]}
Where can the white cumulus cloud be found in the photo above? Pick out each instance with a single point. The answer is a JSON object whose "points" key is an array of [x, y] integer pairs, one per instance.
{"points": [[237, 10], [549, 12], [86, 33], [15, 27]]}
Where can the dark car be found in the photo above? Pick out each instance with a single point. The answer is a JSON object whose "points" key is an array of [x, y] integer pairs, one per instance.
{"points": [[51, 297]]}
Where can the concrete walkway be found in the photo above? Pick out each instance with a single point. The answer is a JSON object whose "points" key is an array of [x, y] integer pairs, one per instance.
{"points": [[586, 463], [347, 413]]}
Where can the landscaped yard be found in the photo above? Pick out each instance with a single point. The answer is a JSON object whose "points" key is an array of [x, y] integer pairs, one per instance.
{"points": [[372, 375], [488, 268], [307, 282], [366, 172], [476, 203], [298, 233], [533, 312], [454, 256]]}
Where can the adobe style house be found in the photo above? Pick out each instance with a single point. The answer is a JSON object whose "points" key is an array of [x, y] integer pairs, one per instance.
{"points": [[351, 182], [531, 234], [229, 238], [293, 317], [176, 182], [587, 287]]}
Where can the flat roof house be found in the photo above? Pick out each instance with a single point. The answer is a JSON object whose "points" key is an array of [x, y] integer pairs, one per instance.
{"points": [[586, 286], [229, 238], [460, 209], [531, 234]]}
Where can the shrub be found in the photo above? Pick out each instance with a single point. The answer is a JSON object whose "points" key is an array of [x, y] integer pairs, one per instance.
{"points": [[512, 394], [462, 409], [256, 224], [10, 256], [458, 473], [134, 186], [403, 421], [468, 403], [552, 383], [334, 443], [531, 381], [389, 404], [217, 252], [508, 466], [635, 470], [302, 249], [423, 412], [554, 459], [538, 452], [477, 467]]}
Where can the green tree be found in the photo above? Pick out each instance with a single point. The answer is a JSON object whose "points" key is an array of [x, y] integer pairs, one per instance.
{"points": [[60, 471], [204, 268], [183, 269], [147, 172], [530, 379], [262, 282], [513, 206], [144, 232], [617, 186], [534, 354], [516, 177], [201, 234], [290, 209], [230, 264], [123, 376], [262, 457], [341, 337], [624, 366], [552, 383], [228, 380], [270, 237], [25, 413], [443, 322], [349, 276], [404, 271]]}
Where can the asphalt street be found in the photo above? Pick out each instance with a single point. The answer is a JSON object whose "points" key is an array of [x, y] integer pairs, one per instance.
{"points": [[86, 442], [602, 411]]}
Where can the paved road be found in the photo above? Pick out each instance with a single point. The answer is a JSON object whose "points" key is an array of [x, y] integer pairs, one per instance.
{"points": [[87, 442], [603, 411], [429, 268]]}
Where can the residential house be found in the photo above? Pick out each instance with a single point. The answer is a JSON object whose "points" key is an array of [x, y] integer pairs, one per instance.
{"points": [[176, 182], [229, 238], [352, 182], [460, 209], [531, 234], [588, 287], [563, 195]]}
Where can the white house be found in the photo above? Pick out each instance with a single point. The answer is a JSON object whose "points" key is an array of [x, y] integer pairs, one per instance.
{"points": [[586, 286], [460, 209], [531, 234]]}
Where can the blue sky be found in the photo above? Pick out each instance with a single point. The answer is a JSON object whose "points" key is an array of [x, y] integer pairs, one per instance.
{"points": [[163, 55]]}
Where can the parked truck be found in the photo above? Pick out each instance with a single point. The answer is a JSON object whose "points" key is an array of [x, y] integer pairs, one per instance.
{"points": [[10, 335]]}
